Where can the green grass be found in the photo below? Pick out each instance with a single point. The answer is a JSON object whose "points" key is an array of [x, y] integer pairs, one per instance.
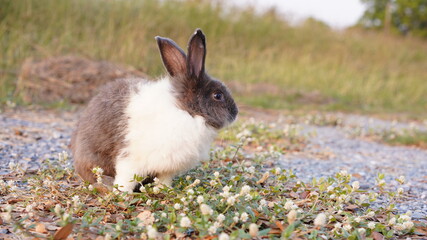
{"points": [[408, 137], [359, 71], [237, 195]]}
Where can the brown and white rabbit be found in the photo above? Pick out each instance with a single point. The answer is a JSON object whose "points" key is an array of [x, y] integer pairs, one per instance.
{"points": [[154, 128]]}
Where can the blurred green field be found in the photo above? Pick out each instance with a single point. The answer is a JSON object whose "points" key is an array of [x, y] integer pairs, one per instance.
{"points": [[267, 62]]}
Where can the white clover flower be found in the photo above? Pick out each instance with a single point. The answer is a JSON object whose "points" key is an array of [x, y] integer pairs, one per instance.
{"points": [[8, 208], [148, 202], [177, 206], [212, 182], [392, 221], [320, 220], [244, 217], [185, 222], [212, 229], [200, 199], [7, 217], [370, 214], [98, 171], [65, 217], [277, 170], [190, 191], [371, 225], [118, 228], [220, 218], [75, 198], [248, 197], [30, 207], [206, 209], [251, 170], [263, 203], [231, 200], [99, 179], [337, 225], [408, 225], [381, 182], [223, 236], [57, 209], [253, 230], [188, 177], [404, 218], [245, 190], [151, 232], [292, 216], [363, 198], [107, 236], [355, 185], [236, 219], [361, 231], [12, 165], [400, 191], [226, 189], [401, 179], [156, 190], [289, 205], [357, 219], [90, 187], [216, 174], [347, 227], [164, 215], [399, 227], [196, 182]]}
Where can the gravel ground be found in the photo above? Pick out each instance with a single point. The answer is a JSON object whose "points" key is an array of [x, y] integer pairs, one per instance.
{"points": [[27, 136]]}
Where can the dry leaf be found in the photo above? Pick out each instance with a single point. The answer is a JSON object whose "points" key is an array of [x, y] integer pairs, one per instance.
{"points": [[51, 227], [263, 178], [63, 232], [304, 194], [146, 218], [101, 188], [294, 195], [351, 207], [275, 231], [14, 200], [279, 225], [41, 228], [377, 236]]}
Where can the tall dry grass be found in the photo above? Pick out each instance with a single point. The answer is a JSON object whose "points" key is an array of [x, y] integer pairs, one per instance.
{"points": [[353, 70]]}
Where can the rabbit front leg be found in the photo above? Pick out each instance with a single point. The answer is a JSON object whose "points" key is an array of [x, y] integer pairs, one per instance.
{"points": [[166, 179], [124, 178]]}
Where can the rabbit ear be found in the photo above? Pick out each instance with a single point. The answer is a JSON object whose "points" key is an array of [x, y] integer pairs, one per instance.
{"points": [[196, 54], [173, 56]]}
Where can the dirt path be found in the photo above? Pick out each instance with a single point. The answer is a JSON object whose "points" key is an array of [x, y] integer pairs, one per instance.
{"points": [[27, 136]]}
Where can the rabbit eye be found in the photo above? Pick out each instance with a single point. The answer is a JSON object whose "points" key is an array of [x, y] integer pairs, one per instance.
{"points": [[218, 96]]}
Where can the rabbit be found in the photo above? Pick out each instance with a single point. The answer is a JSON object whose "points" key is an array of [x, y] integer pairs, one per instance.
{"points": [[157, 128]]}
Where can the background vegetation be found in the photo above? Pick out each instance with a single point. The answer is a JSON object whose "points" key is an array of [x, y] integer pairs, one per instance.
{"points": [[401, 16], [267, 62]]}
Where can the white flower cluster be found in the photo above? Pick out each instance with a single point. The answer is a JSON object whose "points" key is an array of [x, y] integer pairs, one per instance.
{"points": [[98, 173], [290, 205], [402, 223]]}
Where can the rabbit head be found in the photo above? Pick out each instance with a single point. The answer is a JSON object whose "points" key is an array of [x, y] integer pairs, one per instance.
{"points": [[196, 91]]}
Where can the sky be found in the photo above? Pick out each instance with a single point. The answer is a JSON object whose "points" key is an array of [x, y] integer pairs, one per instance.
{"points": [[336, 13]]}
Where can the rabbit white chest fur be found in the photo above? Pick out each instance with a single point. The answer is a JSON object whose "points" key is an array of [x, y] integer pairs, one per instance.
{"points": [[161, 138]]}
